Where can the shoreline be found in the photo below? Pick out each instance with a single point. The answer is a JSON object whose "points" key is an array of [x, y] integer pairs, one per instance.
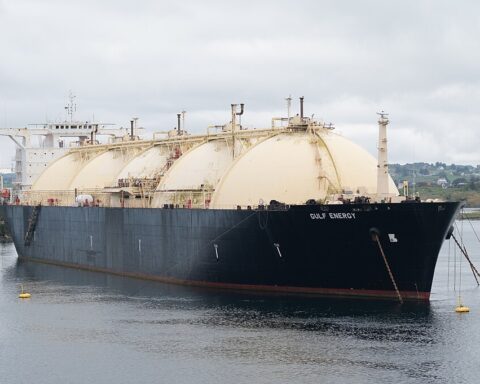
{"points": [[473, 215]]}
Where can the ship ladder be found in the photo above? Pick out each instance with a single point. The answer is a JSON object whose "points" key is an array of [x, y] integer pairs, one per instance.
{"points": [[376, 238], [464, 252], [32, 223]]}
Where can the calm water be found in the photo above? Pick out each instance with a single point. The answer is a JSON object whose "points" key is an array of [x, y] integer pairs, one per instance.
{"points": [[82, 327]]}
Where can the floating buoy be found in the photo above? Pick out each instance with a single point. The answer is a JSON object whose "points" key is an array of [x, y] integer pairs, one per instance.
{"points": [[24, 295], [462, 309]]}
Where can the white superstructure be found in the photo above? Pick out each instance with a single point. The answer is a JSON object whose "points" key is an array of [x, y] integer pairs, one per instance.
{"points": [[40, 144]]}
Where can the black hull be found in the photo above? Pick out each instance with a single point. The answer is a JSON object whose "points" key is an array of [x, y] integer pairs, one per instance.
{"points": [[325, 250]]}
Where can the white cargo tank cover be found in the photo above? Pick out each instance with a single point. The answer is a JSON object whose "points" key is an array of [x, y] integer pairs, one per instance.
{"points": [[295, 167], [204, 165]]}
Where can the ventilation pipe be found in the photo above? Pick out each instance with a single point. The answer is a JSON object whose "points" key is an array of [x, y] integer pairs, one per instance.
{"points": [[179, 115], [93, 134], [382, 167], [131, 129], [301, 107], [234, 123], [241, 110]]}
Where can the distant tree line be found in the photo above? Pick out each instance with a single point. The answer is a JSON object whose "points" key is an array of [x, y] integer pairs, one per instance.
{"points": [[439, 174]]}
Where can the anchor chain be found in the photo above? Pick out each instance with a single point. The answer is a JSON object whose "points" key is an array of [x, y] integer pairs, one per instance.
{"points": [[464, 252], [377, 239]]}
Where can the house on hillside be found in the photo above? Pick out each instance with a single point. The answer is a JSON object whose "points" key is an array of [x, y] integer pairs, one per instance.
{"points": [[443, 182]]}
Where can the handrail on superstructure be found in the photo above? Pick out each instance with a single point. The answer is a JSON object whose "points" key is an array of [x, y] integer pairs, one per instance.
{"points": [[246, 133]]}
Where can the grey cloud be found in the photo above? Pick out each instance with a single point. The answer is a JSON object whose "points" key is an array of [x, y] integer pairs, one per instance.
{"points": [[417, 59]]}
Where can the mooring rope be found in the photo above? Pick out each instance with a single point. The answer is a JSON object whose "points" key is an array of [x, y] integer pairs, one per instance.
{"points": [[454, 268], [464, 252], [377, 239], [448, 265], [231, 228], [262, 223], [475, 232]]}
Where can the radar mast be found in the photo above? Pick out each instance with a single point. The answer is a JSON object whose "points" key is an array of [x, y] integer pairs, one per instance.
{"points": [[71, 107]]}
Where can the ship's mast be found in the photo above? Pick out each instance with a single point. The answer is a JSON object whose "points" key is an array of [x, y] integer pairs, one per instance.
{"points": [[382, 167], [71, 106]]}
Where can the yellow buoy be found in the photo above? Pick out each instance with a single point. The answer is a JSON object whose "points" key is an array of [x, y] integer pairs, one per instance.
{"points": [[24, 295], [462, 309]]}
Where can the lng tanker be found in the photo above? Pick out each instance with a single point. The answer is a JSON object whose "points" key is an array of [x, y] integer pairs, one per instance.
{"points": [[291, 208]]}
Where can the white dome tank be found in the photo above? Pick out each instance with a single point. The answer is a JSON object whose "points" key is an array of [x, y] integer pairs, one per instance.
{"points": [[146, 165], [59, 174], [295, 167], [356, 168], [201, 167], [101, 171]]}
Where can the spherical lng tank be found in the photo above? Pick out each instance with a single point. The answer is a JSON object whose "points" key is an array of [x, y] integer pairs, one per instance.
{"points": [[294, 167], [287, 165]]}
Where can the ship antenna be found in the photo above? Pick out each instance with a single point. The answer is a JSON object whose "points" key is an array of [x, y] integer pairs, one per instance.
{"points": [[71, 107]]}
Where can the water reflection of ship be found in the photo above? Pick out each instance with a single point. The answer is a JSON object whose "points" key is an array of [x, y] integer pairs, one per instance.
{"points": [[72, 283]]}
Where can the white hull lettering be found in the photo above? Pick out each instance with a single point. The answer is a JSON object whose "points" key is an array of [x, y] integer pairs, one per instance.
{"points": [[342, 215], [334, 216]]}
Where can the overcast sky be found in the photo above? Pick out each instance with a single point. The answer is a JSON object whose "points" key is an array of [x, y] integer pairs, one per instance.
{"points": [[417, 60]]}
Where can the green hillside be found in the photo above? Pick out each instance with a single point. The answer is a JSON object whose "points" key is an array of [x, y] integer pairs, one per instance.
{"points": [[439, 180]]}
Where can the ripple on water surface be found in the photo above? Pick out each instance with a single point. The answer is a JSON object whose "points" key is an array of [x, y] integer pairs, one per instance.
{"points": [[81, 326]]}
